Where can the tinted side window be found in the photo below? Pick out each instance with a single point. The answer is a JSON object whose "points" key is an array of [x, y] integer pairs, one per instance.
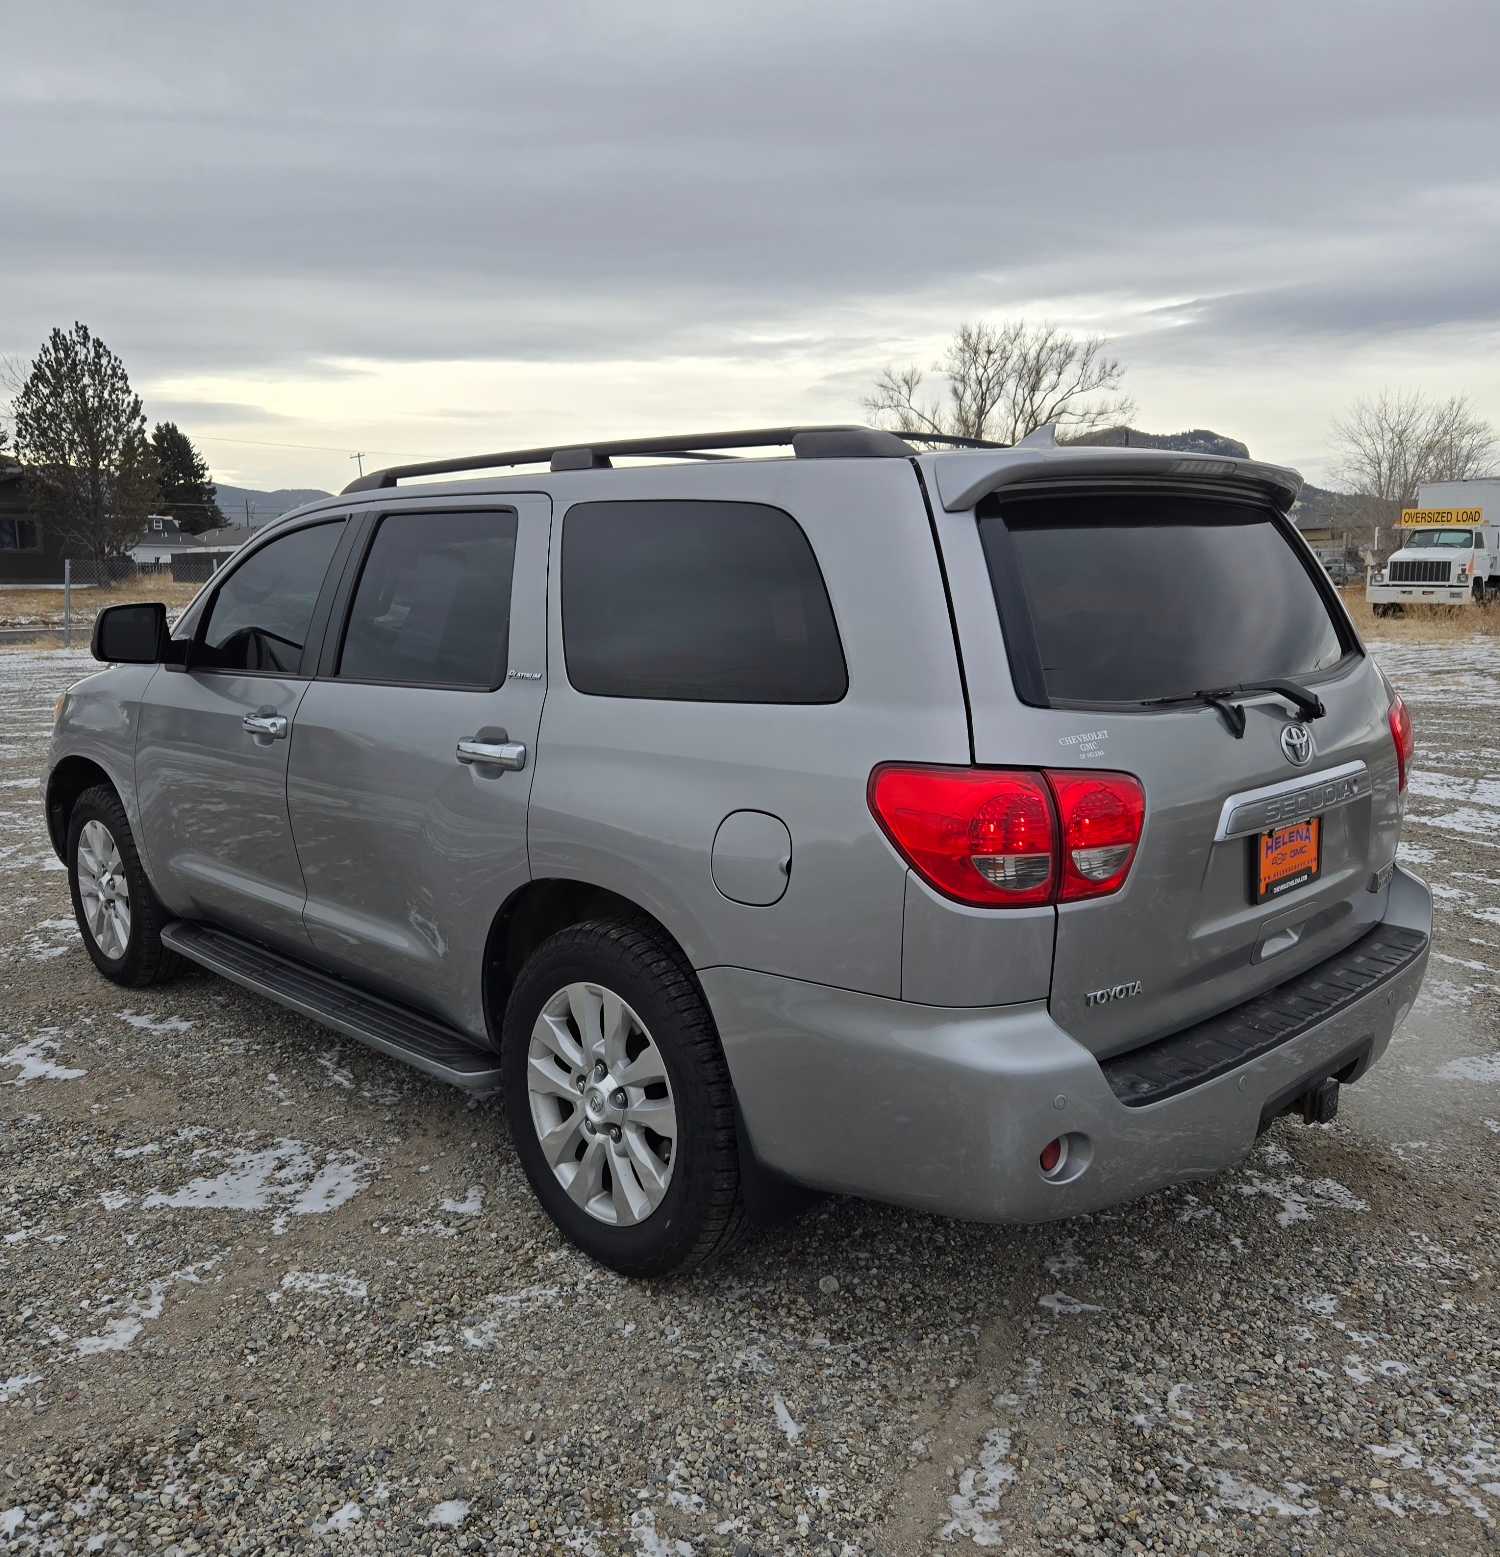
{"points": [[259, 618], [705, 602], [433, 603]]}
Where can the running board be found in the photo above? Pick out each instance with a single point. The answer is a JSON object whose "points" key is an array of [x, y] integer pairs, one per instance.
{"points": [[421, 1041]]}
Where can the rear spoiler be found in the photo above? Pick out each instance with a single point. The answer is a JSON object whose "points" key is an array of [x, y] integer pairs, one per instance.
{"points": [[962, 479]]}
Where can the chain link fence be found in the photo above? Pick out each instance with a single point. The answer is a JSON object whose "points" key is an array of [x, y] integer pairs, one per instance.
{"points": [[90, 584]]}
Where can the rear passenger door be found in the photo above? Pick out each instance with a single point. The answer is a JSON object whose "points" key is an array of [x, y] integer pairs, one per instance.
{"points": [[412, 757]]}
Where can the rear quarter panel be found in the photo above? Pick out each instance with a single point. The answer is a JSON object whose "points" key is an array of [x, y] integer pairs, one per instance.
{"points": [[630, 793]]}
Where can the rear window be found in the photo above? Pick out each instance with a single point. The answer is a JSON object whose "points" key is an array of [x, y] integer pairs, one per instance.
{"points": [[1120, 599], [700, 601]]}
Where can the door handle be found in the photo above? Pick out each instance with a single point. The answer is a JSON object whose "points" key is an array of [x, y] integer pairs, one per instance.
{"points": [[267, 726], [492, 753]]}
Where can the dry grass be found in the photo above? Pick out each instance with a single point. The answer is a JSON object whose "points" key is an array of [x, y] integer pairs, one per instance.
{"points": [[1446, 624], [23, 607], [40, 644]]}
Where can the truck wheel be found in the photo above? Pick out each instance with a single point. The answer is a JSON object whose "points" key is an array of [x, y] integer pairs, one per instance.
{"points": [[118, 914], [1481, 594], [619, 1100]]}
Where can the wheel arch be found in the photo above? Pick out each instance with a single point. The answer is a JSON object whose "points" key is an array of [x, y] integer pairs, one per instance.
{"points": [[540, 909], [66, 782]]}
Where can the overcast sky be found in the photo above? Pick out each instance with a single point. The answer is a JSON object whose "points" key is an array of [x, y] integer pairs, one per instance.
{"points": [[443, 227]]}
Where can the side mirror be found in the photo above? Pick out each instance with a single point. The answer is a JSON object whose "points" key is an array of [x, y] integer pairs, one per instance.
{"points": [[131, 634]]}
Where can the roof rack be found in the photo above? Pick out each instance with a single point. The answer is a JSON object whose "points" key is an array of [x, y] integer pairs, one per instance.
{"points": [[833, 442]]}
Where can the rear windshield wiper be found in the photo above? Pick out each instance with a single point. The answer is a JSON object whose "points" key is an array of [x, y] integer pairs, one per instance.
{"points": [[1308, 704]]}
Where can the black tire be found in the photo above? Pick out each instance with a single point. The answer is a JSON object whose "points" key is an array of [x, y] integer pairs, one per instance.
{"points": [[702, 1213], [143, 959]]}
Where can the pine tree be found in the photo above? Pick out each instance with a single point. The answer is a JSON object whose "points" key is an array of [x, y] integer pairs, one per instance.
{"points": [[81, 433], [186, 492]]}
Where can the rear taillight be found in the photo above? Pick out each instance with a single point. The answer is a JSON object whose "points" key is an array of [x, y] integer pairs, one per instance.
{"points": [[1102, 815], [980, 835], [1001, 838], [1404, 737]]}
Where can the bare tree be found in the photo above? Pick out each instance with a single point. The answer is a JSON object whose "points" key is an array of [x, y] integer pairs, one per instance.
{"points": [[1391, 444], [1003, 381], [81, 433]]}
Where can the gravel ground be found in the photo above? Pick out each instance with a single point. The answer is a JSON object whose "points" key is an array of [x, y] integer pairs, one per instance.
{"points": [[265, 1291]]}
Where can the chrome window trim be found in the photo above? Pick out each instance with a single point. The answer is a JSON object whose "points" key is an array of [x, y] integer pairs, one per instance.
{"points": [[1256, 810]]}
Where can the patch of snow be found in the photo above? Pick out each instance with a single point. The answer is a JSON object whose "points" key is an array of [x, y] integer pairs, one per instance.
{"points": [[11, 1520], [1300, 1196], [34, 1065], [1481, 1068], [1477, 1470], [451, 1513], [139, 1311], [286, 1175], [680, 1496], [793, 1429], [340, 1519], [1325, 1303], [1061, 1303], [470, 1205], [1463, 962], [1246, 1498], [649, 1542], [12, 1387], [317, 1281], [980, 1489], [487, 1332], [330, 1061], [154, 1024], [753, 1360]]}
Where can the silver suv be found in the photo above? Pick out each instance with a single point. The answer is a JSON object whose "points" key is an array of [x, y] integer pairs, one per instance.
{"points": [[1003, 832]]}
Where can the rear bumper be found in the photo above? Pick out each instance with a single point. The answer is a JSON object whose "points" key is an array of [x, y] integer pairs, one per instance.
{"points": [[948, 1109]]}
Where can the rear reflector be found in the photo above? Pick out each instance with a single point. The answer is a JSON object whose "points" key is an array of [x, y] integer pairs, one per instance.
{"points": [[1404, 737], [1004, 838]]}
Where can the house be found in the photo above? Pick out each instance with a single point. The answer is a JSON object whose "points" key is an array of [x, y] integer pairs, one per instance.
{"points": [[30, 552], [162, 538]]}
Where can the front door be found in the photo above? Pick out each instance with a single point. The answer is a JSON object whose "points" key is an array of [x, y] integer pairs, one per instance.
{"points": [[412, 757], [211, 758]]}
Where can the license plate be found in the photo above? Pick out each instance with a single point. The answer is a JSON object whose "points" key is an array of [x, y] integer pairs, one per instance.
{"points": [[1287, 858]]}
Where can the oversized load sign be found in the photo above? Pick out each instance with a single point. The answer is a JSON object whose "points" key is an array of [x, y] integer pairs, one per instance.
{"points": [[1423, 518]]}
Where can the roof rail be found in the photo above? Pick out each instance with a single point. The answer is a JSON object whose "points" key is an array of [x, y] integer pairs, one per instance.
{"points": [[835, 442]]}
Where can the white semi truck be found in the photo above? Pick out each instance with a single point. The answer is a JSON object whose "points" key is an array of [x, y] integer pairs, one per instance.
{"points": [[1450, 550]]}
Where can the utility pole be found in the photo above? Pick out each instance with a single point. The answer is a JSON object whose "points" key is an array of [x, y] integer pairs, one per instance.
{"points": [[247, 513], [360, 460]]}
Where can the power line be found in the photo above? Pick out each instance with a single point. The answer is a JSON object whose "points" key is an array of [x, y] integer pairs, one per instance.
{"points": [[318, 448]]}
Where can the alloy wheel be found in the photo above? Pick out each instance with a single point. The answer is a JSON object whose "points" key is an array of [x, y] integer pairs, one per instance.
{"points": [[601, 1104], [103, 888]]}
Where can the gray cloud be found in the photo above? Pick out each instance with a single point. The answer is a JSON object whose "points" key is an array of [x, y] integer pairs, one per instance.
{"points": [[283, 187]]}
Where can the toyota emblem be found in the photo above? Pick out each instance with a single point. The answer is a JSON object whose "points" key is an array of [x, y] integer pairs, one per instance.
{"points": [[1296, 744]]}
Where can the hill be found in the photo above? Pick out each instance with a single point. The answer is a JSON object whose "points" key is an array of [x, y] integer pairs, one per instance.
{"points": [[263, 507], [1197, 440], [1316, 508]]}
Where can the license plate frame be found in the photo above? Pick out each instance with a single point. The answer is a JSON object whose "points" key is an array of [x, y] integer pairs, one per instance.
{"points": [[1285, 858]]}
